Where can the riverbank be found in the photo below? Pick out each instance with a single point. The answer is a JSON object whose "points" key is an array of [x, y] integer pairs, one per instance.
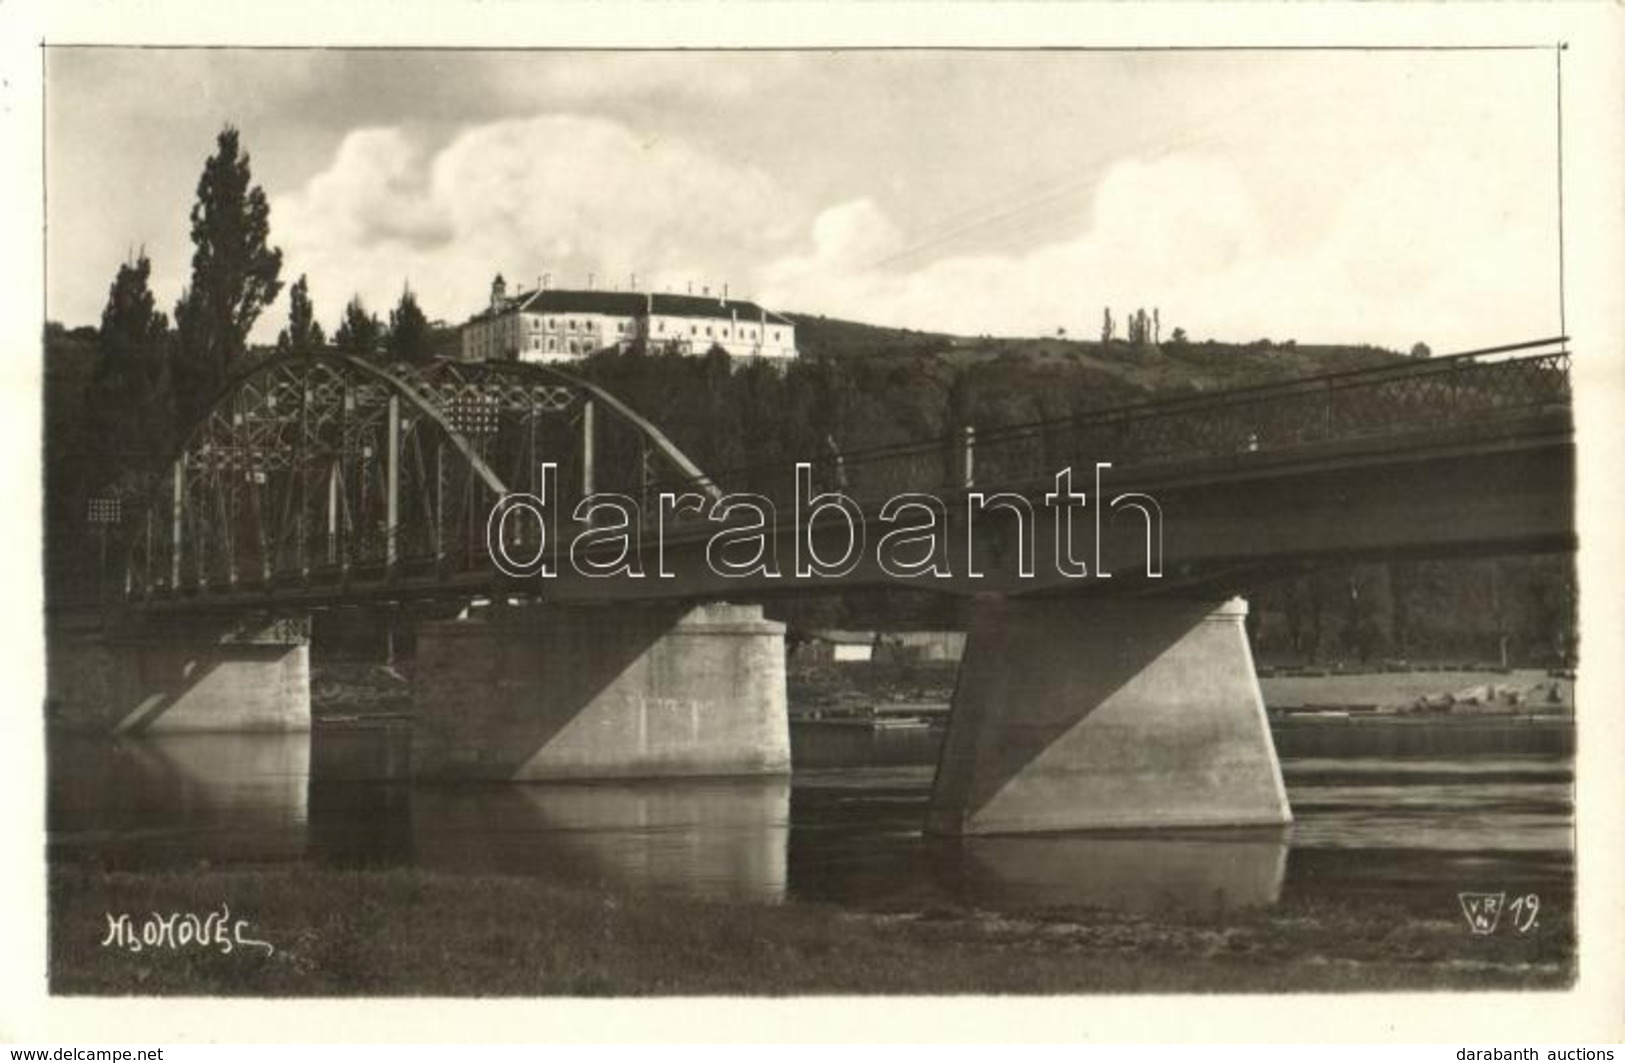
{"points": [[897, 712], [877, 688], [344, 688], [1452, 692], [404, 932]]}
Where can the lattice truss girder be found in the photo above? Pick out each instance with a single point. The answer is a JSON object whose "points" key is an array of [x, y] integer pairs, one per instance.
{"points": [[330, 468], [322, 468]]}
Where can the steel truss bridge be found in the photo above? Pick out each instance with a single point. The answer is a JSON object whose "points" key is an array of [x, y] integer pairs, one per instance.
{"points": [[328, 479]]}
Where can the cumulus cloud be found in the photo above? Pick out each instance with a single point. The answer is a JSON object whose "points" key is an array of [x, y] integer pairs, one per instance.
{"points": [[1153, 227], [374, 193], [1415, 250], [567, 195], [1382, 196]]}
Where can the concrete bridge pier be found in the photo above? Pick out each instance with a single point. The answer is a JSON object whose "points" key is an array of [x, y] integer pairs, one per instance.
{"points": [[163, 675], [547, 692], [1082, 715]]}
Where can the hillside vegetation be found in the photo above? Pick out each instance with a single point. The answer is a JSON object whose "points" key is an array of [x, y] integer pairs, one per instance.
{"points": [[858, 386], [1172, 366]]}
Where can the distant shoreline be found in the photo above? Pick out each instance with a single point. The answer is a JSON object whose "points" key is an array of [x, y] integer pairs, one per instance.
{"points": [[1370, 713]]}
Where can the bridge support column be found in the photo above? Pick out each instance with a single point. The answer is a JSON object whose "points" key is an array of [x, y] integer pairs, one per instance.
{"points": [[1081, 715], [625, 691], [182, 675]]}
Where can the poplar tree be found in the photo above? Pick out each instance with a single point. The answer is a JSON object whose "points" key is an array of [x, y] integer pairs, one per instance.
{"points": [[235, 273], [129, 399], [359, 332], [304, 333], [409, 334]]}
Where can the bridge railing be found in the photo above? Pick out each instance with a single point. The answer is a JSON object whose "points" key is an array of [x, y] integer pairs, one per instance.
{"points": [[1387, 401]]}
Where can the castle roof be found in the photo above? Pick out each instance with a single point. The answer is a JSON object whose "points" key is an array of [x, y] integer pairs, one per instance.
{"points": [[633, 304]]}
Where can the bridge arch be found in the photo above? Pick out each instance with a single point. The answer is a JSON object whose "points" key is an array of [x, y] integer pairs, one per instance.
{"points": [[329, 468]]}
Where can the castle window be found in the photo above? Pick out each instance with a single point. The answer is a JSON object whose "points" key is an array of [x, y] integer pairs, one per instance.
{"points": [[552, 344]]}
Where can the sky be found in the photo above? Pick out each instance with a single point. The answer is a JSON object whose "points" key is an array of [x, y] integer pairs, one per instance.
{"points": [[1386, 197]]}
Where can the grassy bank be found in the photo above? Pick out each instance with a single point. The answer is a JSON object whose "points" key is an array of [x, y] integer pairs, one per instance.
{"points": [[339, 932], [1536, 691]]}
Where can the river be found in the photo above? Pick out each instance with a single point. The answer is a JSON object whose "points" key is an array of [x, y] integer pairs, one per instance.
{"points": [[845, 829]]}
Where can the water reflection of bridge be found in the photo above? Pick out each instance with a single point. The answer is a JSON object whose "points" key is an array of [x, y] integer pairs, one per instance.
{"points": [[344, 800], [1083, 701]]}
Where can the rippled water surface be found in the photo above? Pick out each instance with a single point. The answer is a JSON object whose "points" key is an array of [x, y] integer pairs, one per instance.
{"points": [[1409, 830]]}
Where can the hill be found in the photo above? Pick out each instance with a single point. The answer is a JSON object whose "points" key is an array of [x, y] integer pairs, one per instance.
{"points": [[1168, 368], [881, 386]]}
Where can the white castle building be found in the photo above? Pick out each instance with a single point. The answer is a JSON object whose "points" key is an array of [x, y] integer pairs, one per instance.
{"points": [[556, 324]]}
